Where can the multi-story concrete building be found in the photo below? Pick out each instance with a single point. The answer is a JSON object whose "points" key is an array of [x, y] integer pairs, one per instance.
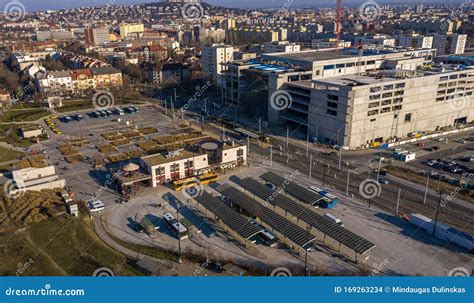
{"points": [[415, 41], [376, 40], [97, 36], [281, 47], [213, 56], [209, 156], [449, 44], [248, 36], [131, 30], [381, 106], [387, 97]]}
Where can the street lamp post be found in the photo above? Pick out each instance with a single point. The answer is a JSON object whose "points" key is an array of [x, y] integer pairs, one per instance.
{"points": [[178, 206]]}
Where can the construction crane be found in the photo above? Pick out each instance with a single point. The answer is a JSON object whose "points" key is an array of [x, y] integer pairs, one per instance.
{"points": [[338, 22]]}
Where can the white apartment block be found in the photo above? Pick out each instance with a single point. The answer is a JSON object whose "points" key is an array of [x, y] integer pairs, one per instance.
{"points": [[415, 41], [449, 44], [377, 40], [213, 56], [281, 47]]}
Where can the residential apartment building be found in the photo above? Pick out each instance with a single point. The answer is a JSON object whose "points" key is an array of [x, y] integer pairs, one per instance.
{"points": [[281, 47], [97, 36], [106, 77], [213, 56], [415, 41], [376, 40], [248, 36], [449, 44], [131, 30]]}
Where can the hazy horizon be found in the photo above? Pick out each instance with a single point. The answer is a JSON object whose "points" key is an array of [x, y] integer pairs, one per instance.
{"points": [[35, 5]]}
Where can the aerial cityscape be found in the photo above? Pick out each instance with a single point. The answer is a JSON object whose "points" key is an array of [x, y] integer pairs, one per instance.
{"points": [[189, 138]]}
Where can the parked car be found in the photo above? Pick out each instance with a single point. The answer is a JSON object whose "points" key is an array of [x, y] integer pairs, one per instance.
{"points": [[382, 180]]}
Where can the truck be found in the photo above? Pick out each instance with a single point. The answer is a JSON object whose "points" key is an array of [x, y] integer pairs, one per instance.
{"points": [[329, 200], [443, 231]]}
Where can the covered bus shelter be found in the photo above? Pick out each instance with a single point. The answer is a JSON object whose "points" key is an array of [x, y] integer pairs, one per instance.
{"points": [[302, 238], [324, 225]]}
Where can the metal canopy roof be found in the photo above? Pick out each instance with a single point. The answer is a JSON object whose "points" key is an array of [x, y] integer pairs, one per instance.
{"points": [[293, 189], [288, 229], [232, 219], [325, 225]]}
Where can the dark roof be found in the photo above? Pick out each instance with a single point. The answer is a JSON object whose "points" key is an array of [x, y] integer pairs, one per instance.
{"points": [[323, 224], [288, 229], [297, 191], [232, 219], [105, 70], [173, 66]]}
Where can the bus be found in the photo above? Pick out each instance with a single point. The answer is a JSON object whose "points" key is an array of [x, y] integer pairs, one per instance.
{"points": [[208, 178], [329, 200], [185, 183], [265, 237], [176, 227]]}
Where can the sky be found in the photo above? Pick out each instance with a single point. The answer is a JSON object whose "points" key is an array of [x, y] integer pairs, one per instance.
{"points": [[33, 5]]}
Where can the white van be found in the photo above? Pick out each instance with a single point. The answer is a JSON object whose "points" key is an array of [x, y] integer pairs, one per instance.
{"points": [[96, 206], [334, 219]]}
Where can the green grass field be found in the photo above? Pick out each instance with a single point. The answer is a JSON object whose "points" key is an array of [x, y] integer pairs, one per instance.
{"points": [[65, 246], [7, 155], [26, 115]]}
